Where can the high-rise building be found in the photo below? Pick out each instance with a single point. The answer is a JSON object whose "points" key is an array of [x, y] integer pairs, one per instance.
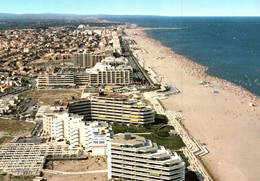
{"points": [[132, 157], [88, 60]]}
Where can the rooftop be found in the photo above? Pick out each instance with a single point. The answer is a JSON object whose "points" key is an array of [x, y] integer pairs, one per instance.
{"points": [[128, 139]]}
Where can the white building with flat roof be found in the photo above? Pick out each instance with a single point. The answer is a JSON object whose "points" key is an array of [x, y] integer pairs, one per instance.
{"points": [[92, 136], [111, 71], [132, 157]]}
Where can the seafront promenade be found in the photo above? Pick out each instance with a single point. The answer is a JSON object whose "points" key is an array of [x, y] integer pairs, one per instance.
{"points": [[193, 148]]}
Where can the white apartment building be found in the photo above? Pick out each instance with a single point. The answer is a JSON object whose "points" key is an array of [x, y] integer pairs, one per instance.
{"points": [[92, 136], [132, 157], [110, 70]]}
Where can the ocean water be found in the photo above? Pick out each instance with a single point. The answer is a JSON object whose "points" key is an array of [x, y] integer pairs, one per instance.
{"points": [[228, 46]]}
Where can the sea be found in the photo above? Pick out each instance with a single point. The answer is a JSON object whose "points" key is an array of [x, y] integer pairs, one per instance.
{"points": [[228, 46]]}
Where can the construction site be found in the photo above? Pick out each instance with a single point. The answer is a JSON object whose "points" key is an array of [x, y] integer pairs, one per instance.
{"points": [[29, 159]]}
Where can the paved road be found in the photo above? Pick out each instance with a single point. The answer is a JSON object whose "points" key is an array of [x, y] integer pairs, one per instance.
{"points": [[29, 107], [138, 76]]}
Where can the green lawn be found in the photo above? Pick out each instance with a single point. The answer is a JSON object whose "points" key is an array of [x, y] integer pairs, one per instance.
{"points": [[122, 128], [159, 132], [172, 142]]}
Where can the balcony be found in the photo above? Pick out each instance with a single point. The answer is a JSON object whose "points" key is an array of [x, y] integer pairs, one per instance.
{"points": [[147, 165]]}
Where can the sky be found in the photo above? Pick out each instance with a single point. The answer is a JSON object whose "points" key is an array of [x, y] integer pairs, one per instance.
{"points": [[135, 7]]}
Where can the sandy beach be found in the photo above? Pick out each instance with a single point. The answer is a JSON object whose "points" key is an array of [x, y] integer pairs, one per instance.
{"points": [[224, 121]]}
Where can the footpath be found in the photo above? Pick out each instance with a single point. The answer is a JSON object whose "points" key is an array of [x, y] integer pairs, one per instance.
{"points": [[193, 148]]}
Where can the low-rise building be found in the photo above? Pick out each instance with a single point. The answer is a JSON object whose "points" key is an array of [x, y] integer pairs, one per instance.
{"points": [[132, 157], [56, 79], [8, 103]]}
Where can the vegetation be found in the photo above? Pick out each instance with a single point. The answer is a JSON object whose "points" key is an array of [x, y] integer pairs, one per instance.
{"points": [[191, 176], [172, 142], [160, 118], [5, 139], [159, 132], [122, 128], [8, 177], [187, 164], [14, 127]]}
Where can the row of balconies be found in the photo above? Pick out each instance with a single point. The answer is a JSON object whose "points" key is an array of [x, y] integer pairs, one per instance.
{"points": [[150, 168], [131, 177], [123, 116], [134, 159], [154, 175], [146, 165], [177, 170], [119, 111], [120, 120]]}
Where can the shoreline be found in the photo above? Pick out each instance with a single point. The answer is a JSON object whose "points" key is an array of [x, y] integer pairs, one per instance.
{"points": [[219, 121], [203, 69]]}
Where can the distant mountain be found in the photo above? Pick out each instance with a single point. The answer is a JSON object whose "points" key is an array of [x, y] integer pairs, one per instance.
{"points": [[49, 16], [8, 16]]}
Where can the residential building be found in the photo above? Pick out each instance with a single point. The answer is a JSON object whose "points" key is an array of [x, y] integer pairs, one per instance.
{"points": [[56, 79], [88, 60], [110, 70], [132, 157], [112, 107], [8, 103], [92, 136], [5, 88]]}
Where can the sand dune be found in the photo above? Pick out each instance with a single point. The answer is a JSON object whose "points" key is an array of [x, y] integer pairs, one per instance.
{"points": [[225, 122]]}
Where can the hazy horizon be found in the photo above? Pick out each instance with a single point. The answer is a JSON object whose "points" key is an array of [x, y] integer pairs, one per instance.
{"points": [[134, 7]]}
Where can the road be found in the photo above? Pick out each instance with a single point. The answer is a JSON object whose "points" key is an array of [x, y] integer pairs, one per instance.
{"points": [[138, 74]]}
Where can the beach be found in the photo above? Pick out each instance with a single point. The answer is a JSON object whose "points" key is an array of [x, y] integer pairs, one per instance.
{"points": [[223, 121]]}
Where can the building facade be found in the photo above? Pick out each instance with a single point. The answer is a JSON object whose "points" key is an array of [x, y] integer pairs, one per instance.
{"points": [[92, 136], [112, 108], [109, 71], [88, 60], [56, 79], [132, 157]]}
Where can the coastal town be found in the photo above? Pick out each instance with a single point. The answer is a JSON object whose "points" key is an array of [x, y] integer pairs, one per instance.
{"points": [[109, 103]]}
